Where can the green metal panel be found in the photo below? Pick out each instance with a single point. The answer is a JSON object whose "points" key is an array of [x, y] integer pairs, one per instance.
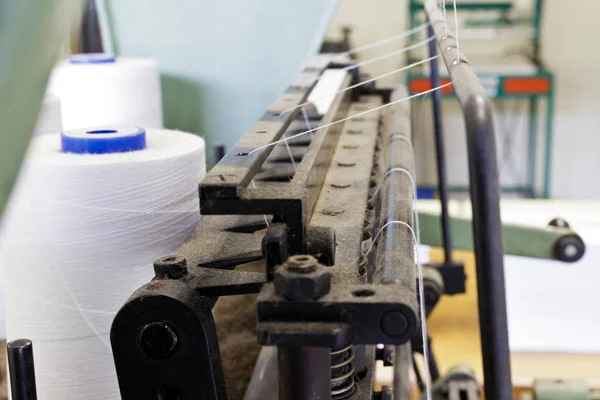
{"points": [[518, 240], [487, 6], [31, 34], [561, 390]]}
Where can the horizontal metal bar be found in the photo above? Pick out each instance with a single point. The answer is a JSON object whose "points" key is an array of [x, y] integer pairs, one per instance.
{"points": [[489, 6], [518, 240]]}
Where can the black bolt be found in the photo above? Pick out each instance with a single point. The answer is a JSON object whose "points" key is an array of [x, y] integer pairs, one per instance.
{"points": [[302, 264], [170, 267], [394, 323], [158, 340]]}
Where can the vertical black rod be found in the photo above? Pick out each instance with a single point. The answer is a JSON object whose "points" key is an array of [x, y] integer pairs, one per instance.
{"points": [[487, 239], [436, 100], [420, 382], [21, 370], [434, 371], [219, 152], [304, 373], [485, 201], [91, 40]]}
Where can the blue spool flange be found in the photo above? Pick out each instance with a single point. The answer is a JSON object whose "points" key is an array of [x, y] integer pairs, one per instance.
{"points": [[103, 140], [92, 58]]}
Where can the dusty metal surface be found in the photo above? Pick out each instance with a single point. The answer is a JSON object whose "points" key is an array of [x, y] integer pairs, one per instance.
{"points": [[343, 198]]}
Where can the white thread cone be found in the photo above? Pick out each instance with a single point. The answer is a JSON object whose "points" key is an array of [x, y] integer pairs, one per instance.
{"points": [[80, 235]]}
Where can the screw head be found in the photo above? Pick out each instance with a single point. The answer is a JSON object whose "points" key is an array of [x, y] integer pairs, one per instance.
{"points": [[170, 267], [158, 340]]}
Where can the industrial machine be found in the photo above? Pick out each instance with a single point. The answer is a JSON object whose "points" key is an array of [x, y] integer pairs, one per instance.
{"points": [[328, 218]]}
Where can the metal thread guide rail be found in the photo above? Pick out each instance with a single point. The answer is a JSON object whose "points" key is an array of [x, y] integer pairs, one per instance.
{"points": [[487, 228]]}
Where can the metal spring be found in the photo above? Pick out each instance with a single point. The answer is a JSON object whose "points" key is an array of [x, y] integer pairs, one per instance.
{"points": [[342, 373]]}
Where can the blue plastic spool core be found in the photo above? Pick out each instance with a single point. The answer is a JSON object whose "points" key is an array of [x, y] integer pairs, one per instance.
{"points": [[103, 140], [92, 58]]}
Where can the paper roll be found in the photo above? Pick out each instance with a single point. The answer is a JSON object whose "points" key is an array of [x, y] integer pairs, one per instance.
{"points": [[124, 91], [80, 235]]}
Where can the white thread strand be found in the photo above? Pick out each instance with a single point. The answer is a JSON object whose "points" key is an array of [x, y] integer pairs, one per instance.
{"points": [[306, 120], [361, 83], [393, 223], [389, 172], [456, 33], [287, 146], [445, 20], [382, 42], [264, 216], [350, 117], [388, 55]]}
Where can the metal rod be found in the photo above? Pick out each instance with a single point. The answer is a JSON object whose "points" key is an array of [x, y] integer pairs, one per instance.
{"points": [[487, 227], [548, 145], [418, 376], [396, 244], [434, 371], [304, 373], [532, 150], [21, 369], [402, 364], [436, 101]]}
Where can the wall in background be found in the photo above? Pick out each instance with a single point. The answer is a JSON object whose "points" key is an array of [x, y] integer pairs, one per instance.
{"points": [[568, 50]]}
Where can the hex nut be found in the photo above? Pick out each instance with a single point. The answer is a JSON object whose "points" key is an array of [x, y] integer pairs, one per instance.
{"points": [[302, 286]]}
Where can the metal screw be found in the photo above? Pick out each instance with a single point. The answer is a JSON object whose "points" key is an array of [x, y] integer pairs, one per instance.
{"points": [[302, 264], [170, 267], [158, 340]]}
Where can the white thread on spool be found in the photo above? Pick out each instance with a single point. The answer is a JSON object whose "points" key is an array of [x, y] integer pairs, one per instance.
{"points": [[80, 234], [50, 117], [101, 89]]}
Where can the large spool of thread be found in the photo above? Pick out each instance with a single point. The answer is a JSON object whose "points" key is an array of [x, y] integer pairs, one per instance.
{"points": [[49, 121], [102, 89], [93, 209], [50, 117]]}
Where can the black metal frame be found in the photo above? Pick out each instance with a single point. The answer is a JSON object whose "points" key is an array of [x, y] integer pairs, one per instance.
{"points": [[350, 314], [324, 314], [485, 193]]}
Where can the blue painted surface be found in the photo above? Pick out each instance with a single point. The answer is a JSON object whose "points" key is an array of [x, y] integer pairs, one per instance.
{"points": [[222, 62]]}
